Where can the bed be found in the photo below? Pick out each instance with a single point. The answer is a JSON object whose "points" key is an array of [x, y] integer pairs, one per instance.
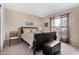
{"points": [[27, 34]]}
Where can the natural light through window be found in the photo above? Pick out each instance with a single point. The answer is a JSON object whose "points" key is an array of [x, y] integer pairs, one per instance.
{"points": [[57, 22]]}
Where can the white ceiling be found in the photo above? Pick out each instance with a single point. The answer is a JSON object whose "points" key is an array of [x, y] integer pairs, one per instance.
{"points": [[40, 9]]}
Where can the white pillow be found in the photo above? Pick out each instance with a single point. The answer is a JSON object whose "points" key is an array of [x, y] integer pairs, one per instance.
{"points": [[26, 30], [29, 30]]}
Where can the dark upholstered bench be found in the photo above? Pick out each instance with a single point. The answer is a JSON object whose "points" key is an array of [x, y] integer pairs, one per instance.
{"points": [[52, 48]]}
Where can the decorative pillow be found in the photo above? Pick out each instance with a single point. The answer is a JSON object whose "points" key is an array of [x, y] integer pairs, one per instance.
{"points": [[26, 30], [29, 30]]}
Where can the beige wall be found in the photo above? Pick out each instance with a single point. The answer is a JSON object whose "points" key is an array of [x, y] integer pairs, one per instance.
{"points": [[73, 24], [15, 19]]}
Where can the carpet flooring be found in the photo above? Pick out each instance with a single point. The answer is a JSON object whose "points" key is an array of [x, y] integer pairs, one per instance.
{"points": [[23, 49]]}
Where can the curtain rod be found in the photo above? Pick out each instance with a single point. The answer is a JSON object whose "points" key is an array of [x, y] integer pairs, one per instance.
{"points": [[65, 14], [61, 15]]}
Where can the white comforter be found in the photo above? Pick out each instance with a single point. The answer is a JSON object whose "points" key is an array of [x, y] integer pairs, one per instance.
{"points": [[28, 37]]}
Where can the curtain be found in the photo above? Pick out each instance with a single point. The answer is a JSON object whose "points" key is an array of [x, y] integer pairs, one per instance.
{"points": [[60, 24]]}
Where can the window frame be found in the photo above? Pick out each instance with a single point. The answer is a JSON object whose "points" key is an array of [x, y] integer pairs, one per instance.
{"points": [[61, 16]]}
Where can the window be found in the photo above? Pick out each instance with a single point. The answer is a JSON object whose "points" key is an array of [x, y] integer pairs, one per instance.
{"points": [[56, 23], [60, 24]]}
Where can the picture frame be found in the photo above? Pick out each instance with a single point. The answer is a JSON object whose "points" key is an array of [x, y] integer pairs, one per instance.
{"points": [[29, 23], [46, 25]]}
